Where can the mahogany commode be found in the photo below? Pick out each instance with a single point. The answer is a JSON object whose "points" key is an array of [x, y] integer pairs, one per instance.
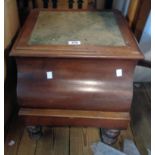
{"points": [[75, 68]]}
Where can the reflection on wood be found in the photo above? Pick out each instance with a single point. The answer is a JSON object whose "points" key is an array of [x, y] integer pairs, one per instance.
{"points": [[77, 141]]}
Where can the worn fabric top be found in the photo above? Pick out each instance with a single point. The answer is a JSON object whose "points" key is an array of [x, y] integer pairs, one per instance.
{"points": [[90, 28]]}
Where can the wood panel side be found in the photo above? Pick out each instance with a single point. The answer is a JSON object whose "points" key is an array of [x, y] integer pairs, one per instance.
{"points": [[140, 20], [132, 11]]}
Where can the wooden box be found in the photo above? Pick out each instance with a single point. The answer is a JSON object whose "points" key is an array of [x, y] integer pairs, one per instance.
{"points": [[75, 68]]}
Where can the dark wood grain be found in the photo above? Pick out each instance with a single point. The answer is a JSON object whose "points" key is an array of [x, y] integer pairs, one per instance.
{"points": [[75, 118], [45, 3], [139, 22], [84, 90], [77, 84], [70, 4]]}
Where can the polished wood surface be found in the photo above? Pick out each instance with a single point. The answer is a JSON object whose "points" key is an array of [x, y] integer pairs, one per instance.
{"points": [[75, 118], [77, 140], [89, 84], [84, 78], [73, 113]]}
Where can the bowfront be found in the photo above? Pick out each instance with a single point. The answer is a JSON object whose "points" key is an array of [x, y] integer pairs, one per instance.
{"points": [[75, 68]]}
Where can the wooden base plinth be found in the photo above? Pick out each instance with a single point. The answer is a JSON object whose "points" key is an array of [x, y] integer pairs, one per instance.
{"points": [[59, 117]]}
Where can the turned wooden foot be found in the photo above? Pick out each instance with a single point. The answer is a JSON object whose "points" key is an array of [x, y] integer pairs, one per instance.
{"points": [[35, 132], [109, 136]]}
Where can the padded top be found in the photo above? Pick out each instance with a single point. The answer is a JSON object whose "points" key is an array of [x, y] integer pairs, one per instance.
{"points": [[90, 28]]}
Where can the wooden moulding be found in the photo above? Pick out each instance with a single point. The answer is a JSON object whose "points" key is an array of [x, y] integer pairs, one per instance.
{"points": [[55, 117], [129, 51], [84, 85]]}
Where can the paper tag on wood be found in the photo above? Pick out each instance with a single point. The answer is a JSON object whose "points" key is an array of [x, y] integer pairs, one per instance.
{"points": [[74, 42], [49, 75], [119, 72]]}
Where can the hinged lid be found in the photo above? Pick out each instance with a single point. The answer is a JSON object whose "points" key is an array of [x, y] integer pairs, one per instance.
{"points": [[76, 34]]}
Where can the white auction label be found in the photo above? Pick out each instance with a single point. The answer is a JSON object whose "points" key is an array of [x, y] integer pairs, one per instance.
{"points": [[119, 72], [74, 42], [49, 75]]}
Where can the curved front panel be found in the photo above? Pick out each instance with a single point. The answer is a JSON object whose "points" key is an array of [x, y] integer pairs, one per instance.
{"points": [[87, 84]]}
